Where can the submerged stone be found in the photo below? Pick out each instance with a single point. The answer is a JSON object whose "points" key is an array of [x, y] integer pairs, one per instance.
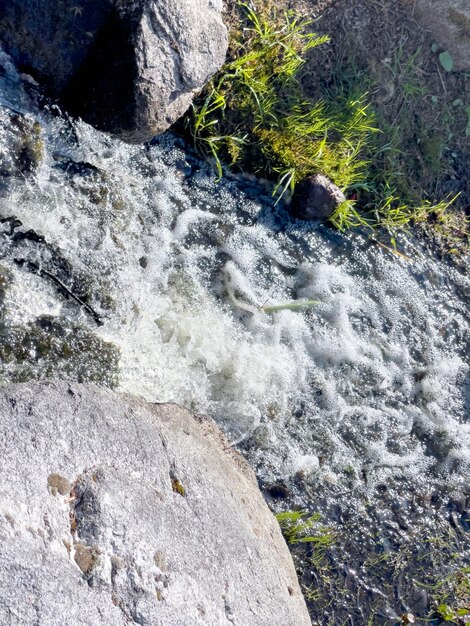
{"points": [[26, 145], [52, 347]]}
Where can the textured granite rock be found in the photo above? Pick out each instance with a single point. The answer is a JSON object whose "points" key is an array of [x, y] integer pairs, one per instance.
{"points": [[129, 68], [113, 511]]}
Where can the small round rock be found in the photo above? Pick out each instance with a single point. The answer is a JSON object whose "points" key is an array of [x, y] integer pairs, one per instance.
{"points": [[315, 198]]}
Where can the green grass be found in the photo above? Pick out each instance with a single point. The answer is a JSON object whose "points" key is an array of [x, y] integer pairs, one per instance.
{"points": [[253, 116], [299, 527], [409, 156], [436, 562], [451, 597]]}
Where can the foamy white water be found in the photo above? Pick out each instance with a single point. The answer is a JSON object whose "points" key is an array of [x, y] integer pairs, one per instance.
{"points": [[367, 385]]}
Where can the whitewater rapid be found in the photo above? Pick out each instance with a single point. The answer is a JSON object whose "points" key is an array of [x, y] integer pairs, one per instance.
{"points": [[367, 385]]}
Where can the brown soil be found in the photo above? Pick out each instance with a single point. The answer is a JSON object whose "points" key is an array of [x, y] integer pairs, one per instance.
{"points": [[409, 89]]}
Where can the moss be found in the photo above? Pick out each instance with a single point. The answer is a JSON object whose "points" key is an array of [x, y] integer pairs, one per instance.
{"points": [[177, 486]]}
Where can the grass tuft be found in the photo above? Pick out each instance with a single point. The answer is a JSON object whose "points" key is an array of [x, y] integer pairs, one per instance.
{"points": [[298, 527], [253, 114]]}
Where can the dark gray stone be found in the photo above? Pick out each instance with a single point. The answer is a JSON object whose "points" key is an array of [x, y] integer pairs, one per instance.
{"points": [[130, 68], [117, 512], [25, 144], [315, 198]]}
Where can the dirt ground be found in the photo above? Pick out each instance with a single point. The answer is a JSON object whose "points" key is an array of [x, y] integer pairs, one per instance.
{"points": [[412, 94]]}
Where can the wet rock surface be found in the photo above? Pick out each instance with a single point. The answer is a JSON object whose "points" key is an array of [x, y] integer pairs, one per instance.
{"points": [[130, 69], [128, 512], [52, 348], [26, 146], [316, 198], [49, 346]]}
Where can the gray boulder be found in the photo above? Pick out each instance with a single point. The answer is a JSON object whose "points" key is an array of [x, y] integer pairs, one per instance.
{"points": [[128, 68], [113, 512]]}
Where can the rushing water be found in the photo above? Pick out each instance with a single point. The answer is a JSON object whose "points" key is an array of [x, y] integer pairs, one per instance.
{"points": [[130, 266]]}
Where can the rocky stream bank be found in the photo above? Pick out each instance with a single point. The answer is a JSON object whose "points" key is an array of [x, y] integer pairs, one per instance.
{"points": [[128, 266]]}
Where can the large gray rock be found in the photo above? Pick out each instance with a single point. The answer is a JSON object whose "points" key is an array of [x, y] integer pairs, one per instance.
{"points": [[116, 512], [449, 22], [129, 68]]}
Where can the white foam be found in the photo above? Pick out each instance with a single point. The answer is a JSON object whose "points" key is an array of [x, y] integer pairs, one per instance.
{"points": [[371, 364]]}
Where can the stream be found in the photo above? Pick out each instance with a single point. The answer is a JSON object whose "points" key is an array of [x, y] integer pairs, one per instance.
{"points": [[130, 266]]}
